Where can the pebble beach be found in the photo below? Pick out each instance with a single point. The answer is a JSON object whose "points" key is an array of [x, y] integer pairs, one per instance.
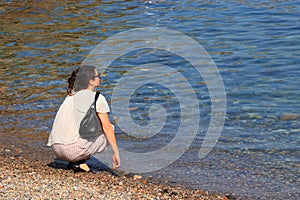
{"points": [[29, 170]]}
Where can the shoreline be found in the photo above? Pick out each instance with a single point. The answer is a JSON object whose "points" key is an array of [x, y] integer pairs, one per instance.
{"points": [[28, 170]]}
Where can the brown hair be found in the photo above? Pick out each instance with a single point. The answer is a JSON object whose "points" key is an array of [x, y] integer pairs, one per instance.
{"points": [[80, 78]]}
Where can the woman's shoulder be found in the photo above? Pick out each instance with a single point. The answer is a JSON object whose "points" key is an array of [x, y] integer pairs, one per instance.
{"points": [[84, 94], [89, 94], [102, 97], [83, 98]]}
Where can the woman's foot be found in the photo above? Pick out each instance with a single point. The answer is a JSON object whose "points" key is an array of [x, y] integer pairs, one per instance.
{"points": [[79, 166], [84, 167]]}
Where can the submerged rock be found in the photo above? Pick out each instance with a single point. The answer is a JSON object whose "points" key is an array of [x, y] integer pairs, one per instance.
{"points": [[289, 116]]}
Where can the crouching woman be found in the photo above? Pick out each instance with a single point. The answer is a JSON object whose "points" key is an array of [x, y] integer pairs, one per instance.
{"points": [[65, 139]]}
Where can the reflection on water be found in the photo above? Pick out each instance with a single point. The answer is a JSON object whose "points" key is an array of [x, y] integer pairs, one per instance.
{"points": [[255, 46]]}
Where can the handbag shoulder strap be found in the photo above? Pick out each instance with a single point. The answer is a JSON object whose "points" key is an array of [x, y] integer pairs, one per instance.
{"points": [[96, 98], [97, 95]]}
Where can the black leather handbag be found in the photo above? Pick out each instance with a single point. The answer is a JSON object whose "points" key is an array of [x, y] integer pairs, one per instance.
{"points": [[91, 126]]}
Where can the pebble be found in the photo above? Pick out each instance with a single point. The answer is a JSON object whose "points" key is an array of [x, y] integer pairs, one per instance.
{"points": [[137, 177], [30, 177]]}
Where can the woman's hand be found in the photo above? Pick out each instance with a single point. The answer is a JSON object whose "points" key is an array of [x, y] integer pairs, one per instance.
{"points": [[116, 161]]}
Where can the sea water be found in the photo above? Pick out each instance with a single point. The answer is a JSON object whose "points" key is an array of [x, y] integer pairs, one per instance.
{"points": [[254, 45]]}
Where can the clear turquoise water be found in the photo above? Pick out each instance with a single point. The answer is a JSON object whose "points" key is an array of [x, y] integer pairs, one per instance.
{"points": [[256, 46]]}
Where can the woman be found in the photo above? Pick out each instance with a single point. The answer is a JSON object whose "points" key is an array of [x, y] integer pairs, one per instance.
{"points": [[65, 139]]}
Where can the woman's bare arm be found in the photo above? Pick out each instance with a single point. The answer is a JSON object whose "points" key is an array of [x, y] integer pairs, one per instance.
{"points": [[111, 138]]}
